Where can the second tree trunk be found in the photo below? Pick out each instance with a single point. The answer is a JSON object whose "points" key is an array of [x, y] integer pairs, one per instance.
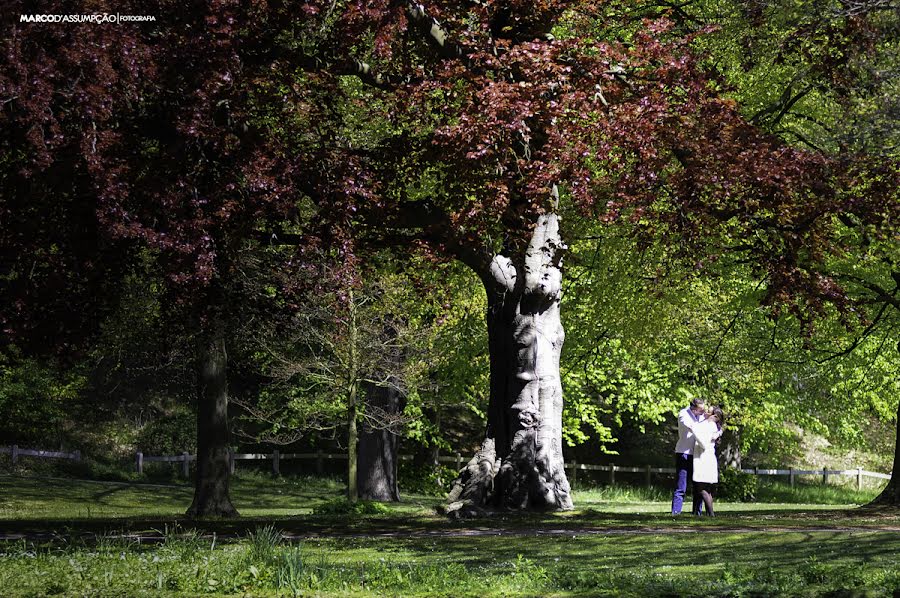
{"points": [[211, 497]]}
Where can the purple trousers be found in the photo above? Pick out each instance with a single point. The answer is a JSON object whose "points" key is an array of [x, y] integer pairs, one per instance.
{"points": [[684, 471]]}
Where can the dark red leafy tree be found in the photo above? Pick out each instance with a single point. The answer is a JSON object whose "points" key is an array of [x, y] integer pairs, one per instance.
{"points": [[127, 139], [487, 120], [461, 129]]}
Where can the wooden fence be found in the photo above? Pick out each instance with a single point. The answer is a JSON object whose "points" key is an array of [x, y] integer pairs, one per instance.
{"points": [[17, 452], [573, 467]]}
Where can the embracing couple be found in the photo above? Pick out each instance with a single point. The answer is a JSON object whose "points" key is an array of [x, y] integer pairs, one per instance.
{"points": [[699, 429]]}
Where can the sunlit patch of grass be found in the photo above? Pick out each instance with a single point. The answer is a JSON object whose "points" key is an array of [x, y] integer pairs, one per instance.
{"points": [[815, 493], [255, 495], [622, 494]]}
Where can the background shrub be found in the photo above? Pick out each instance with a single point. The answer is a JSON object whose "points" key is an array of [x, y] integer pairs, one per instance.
{"points": [[431, 480], [736, 485]]}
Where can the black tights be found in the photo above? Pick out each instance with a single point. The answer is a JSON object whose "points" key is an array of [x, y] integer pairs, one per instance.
{"points": [[703, 497]]}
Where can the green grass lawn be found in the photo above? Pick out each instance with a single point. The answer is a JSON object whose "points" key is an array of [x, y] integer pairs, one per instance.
{"points": [[312, 504], [697, 563], [262, 496], [296, 538]]}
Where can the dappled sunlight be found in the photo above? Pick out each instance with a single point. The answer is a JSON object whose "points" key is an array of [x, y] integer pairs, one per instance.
{"points": [[90, 532]]}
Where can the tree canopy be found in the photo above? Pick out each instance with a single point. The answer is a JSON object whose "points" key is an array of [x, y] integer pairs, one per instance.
{"points": [[454, 131]]}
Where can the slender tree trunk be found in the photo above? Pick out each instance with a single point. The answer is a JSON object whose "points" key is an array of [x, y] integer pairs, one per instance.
{"points": [[352, 441], [435, 454], [352, 414], [520, 464], [377, 476], [211, 497]]}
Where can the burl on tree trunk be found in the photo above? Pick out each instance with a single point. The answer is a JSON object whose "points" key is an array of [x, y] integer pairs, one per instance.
{"points": [[520, 464], [211, 497]]}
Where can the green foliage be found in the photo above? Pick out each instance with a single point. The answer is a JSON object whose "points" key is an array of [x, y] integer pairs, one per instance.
{"points": [[615, 366], [336, 345], [170, 434], [36, 400], [450, 401], [645, 333], [343, 507], [736, 485], [430, 480]]}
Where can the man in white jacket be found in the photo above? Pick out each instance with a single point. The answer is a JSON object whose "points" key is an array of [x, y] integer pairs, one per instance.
{"points": [[684, 450]]}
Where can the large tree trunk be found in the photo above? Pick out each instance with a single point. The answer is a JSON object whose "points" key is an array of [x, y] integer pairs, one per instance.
{"points": [[890, 496], [378, 444], [211, 497], [520, 463]]}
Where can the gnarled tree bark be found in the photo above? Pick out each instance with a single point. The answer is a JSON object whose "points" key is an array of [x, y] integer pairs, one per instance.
{"points": [[520, 464]]}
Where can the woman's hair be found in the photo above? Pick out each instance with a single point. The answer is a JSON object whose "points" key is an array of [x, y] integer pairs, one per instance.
{"points": [[720, 415]]}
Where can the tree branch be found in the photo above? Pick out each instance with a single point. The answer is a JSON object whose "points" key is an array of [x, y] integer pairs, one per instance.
{"points": [[433, 30]]}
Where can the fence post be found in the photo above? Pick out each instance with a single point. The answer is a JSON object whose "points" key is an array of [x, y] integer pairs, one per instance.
{"points": [[825, 475], [858, 478], [276, 465], [15, 453], [458, 462], [612, 474], [574, 471], [77, 454], [139, 458], [185, 465], [320, 464], [230, 461], [791, 474], [647, 479]]}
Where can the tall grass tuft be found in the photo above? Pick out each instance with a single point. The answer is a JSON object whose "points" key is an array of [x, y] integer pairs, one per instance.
{"points": [[263, 542], [186, 543], [289, 571]]}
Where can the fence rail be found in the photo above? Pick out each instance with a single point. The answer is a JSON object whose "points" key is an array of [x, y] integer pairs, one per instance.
{"points": [[572, 466], [320, 457], [17, 452]]}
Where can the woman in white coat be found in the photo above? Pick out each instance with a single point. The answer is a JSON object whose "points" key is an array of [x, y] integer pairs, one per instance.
{"points": [[706, 465]]}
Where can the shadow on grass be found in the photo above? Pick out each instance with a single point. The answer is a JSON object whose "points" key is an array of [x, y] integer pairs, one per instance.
{"points": [[696, 550], [74, 508], [49, 499]]}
